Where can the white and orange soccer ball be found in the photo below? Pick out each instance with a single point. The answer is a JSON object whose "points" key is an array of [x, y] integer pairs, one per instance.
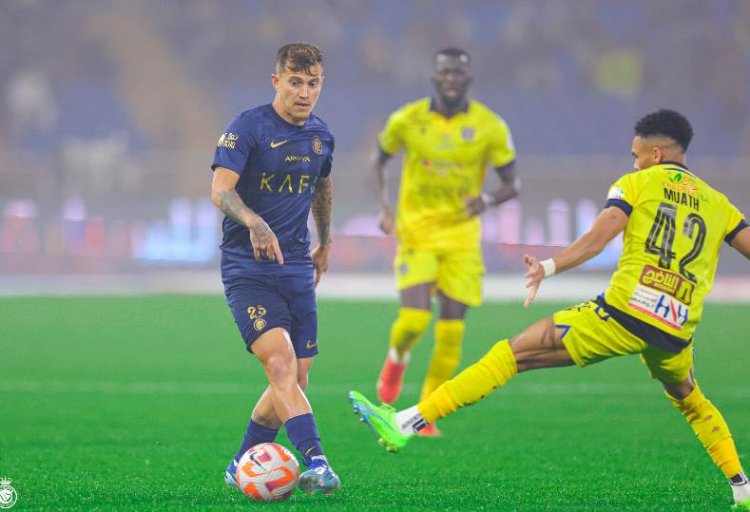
{"points": [[267, 472]]}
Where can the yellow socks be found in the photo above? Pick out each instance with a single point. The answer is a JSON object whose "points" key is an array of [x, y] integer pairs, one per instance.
{"points": [[477, 381], [408, 327], [446, 354], [711, 429]]}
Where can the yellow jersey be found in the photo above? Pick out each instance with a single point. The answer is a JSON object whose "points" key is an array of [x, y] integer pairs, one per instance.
{"points": [[445, 160], [671, 246]]}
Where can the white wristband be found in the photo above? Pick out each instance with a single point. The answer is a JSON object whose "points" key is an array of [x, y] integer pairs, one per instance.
{"points": [[488, 200], [549, 267]]}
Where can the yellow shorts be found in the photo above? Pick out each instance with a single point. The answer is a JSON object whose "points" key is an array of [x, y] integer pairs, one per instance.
{"points": [[457, 274], [591, 335]]}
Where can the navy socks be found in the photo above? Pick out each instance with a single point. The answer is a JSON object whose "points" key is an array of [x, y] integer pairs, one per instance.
{"points": [[303, 433], [256, 434]]}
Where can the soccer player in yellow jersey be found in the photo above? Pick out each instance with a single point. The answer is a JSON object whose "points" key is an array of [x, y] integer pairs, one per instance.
{"points": [[674, 225], [448, 143]]}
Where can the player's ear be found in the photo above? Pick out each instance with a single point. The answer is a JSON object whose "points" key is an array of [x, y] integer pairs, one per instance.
{"points": [[658, 154], [275, 81]]}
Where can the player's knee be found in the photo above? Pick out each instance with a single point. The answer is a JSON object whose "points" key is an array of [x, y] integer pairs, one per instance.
{"points": [[679, 391], [414, 320], [687, 398], [280, 368]]}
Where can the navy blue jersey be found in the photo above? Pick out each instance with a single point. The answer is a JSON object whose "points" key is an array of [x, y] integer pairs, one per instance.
{"points": [[279, 164]]}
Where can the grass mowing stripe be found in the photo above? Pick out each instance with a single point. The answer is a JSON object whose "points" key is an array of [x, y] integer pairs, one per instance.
{"points": [[227, 388]]}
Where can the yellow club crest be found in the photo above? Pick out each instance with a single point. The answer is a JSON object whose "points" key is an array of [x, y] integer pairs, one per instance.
{"points": [[317, 145]]}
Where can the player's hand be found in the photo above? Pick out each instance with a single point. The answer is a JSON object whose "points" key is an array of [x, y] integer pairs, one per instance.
{"points": [[265, 243], [534, 276], [320, 261], [385, 220], [475, 205]]}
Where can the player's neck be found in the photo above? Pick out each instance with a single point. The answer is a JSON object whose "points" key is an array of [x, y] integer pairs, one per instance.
{"points": [[449, 109], [283, 114]]}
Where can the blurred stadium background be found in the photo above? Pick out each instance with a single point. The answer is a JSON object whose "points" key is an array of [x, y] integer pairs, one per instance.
{"points": [[109, 112]]}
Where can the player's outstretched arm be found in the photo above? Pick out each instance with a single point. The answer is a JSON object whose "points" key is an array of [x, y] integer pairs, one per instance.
{"points": [[379, 161], [741, 242], [226, 199], [610, 222], [322, 203]]}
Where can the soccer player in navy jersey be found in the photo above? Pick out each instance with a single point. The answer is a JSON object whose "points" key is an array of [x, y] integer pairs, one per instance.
{"points": [[271, 168]]}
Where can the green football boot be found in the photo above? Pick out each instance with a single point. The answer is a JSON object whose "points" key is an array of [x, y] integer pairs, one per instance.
{"points": [[381, 419], [745, 505]]}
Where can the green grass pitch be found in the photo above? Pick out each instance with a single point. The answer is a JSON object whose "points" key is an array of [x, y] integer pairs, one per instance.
{"points": [[138, 403]]}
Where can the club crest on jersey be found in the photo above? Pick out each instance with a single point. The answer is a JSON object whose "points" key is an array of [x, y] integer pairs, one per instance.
{"points": [[227, 140], [317, 145], [467, 133], [256, 314]]}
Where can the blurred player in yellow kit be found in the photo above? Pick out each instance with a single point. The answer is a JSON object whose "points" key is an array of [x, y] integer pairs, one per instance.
{"points": [[674, 225], [448, 143]]}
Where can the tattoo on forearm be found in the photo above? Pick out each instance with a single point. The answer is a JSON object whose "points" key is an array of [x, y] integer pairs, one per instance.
{"points": [[232, 205], [322, 203]]}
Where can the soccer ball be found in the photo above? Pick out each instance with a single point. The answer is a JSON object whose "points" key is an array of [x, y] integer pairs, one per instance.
{"points": [[267, 472]]}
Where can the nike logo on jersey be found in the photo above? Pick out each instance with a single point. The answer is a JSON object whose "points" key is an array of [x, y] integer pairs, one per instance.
{"points": [[311, 344], [277, 144]]}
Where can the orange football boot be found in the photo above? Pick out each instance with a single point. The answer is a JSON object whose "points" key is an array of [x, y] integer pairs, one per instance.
{"points": [[390, 380], [430, 430]]}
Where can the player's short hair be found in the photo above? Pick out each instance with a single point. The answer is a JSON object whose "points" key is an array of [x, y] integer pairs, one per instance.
{"points": [[298, 57], [666, 123], [460, 54]]}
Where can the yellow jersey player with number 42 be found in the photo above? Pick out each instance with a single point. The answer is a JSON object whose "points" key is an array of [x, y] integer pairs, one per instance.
{"points": [[674, 226], [448, 143]]}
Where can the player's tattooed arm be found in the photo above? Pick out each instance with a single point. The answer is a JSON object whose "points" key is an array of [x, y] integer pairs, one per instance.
{"points": [[232, 205], [226, 199], [322, 203]]}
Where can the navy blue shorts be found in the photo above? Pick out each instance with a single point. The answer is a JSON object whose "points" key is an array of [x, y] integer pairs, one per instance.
{"points": [[262, 302]]}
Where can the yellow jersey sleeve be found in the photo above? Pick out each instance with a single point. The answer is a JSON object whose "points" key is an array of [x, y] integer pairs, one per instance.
{"points": [[502, 150], [623, 194], [391, 139], [736, 223]]}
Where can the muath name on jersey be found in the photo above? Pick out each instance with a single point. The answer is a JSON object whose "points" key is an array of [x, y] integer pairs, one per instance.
{"points": [[682, 198]]}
